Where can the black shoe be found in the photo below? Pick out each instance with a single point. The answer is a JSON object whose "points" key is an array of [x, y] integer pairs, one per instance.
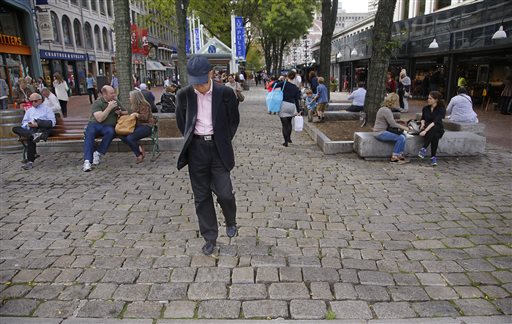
{"points": [[290, 141], [231, 231], [285, 144], [208, 247]]}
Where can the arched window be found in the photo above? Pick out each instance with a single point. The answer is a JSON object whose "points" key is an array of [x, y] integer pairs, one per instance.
{"points": [[77, 29], [109, 8], [55, 24], [102, 6], [66, 31], [94, 7], [85, 4], [88, 36], [105, 39], [98, 37]]}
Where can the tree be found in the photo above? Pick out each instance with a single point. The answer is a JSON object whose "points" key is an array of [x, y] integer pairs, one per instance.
{"points": [[382, 49], [181, 18], [123, 49], [329, 14]]}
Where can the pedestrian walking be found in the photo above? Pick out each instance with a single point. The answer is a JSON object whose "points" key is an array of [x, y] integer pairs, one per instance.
{"points": [[91, 87], [321, 98], [207, 116], [290, 106], [4, 94], [114, 83], [61, 91], [404, 90]]}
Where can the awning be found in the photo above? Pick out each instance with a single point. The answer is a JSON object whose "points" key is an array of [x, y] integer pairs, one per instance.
{"points": [[154, 66]]}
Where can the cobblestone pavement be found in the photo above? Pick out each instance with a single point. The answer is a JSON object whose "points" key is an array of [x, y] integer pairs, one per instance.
{"points": [[319, 237]]}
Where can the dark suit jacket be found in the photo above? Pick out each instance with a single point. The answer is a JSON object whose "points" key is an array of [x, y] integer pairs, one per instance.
{"points": [[225, 117]]}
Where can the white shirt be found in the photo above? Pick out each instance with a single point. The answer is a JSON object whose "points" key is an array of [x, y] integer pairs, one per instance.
{"points": [[40, 112], [461, 109], [357, 97], [241, 76], [61, 90], [297, 81], [166, 83], [53, 103]]}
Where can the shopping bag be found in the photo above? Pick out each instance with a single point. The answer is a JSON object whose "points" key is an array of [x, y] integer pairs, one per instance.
{"points": [[275, 99], [298, 123]]}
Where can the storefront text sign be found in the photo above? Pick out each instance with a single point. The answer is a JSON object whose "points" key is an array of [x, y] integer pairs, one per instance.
{"points": [[55, 55], [10, 40]]}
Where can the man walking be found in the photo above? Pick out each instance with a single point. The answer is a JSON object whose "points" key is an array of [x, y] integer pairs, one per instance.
{"points": [[35, 126], [207, 116]]}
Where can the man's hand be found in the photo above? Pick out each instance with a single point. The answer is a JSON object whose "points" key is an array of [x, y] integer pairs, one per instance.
{"points": [[112, 105]]}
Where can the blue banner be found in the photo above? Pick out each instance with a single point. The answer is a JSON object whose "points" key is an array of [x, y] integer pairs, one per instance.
{"points": [[240, 37], [197, 39]]}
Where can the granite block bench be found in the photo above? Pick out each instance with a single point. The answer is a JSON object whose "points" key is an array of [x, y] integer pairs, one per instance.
{"points": [[451, 144], [478, 128], [338, 106]]}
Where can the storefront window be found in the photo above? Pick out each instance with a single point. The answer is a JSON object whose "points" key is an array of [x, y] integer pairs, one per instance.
{"points": [[77, 28], [109, 8], [102, 6], [85, 4], [74, 2], [93, 5], [88, 36], [66, 31], [105, 39], [98, 37], [55, 24]]}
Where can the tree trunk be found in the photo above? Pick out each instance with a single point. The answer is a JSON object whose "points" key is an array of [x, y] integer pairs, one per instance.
{"points": [[329, 14], [181, 16], [379, 63], [123, 49]]}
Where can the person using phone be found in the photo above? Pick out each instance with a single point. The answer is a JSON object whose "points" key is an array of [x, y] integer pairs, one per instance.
{"points": [[104, 113]]}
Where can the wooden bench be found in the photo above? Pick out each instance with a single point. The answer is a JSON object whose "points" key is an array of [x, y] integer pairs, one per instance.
{"points": [[73, 129]]}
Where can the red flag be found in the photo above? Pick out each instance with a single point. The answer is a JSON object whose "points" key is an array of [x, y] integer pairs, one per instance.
{"points": [[135, 39], [145, 41]]}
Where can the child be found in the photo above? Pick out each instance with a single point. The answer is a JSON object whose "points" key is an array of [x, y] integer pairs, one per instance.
{"points": [[310, 104]]}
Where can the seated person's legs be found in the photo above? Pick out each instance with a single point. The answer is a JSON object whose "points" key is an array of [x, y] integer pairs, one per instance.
{"points": [[353, 108], [108, 133], [141, 131], [90, 134]]}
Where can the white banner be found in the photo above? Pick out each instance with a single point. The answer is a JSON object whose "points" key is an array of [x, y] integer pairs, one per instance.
{"points": [[44, 22]]}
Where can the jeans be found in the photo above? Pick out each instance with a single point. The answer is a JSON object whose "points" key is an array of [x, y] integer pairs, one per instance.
{"points": [[64, 107], [94, 129], [132, 140], [391, 137], [3, 103]]}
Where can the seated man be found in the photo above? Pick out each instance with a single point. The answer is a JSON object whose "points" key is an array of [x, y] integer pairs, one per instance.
{"points": [[35, 126], [460, 108], [104, 113], [357, 98], [52, 101]]}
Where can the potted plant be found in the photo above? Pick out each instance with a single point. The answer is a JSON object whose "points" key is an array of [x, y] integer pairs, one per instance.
{"points": [[333, 85]]}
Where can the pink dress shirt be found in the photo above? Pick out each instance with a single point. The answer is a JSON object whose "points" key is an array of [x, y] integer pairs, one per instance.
{"points": [[204, 123]]}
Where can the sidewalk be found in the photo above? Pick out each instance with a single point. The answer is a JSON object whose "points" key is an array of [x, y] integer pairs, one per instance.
{"points": [[319, 237]]}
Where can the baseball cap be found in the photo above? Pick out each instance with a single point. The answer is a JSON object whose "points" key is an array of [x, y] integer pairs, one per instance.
{"points": [[143, 86], [198, 68]]}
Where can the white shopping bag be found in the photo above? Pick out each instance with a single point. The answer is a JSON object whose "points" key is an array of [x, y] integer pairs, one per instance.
{"points": [[298, 123]]}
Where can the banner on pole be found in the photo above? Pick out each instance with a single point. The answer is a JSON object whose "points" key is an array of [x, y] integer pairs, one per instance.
{"points": [[44, 22], [240, 37], [187, 38], [197, 40]]}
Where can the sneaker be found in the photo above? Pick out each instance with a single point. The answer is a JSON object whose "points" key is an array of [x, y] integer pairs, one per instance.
{"points": [[433, 161], [28, 166], [422, 153], [36, 137], [398, 160], [87, 166], [96, 156]]}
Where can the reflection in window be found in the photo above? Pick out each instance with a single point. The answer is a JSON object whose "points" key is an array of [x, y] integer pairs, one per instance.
{"points": [[102, 6], [66, 31], [98, 37], [78, 32], [74, 2], [109, 8], [88, 36], [93, 5], [55, 24], [85, 4], [105, 39]]}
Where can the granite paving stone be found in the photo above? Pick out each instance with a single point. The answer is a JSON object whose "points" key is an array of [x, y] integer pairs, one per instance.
{"points": [[123, 242]]}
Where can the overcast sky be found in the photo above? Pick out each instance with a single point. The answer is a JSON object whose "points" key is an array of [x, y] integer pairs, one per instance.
{"points": [[355, 5]]}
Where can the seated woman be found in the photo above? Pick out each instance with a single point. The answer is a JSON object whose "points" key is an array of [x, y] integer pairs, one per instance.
{"points": [[168, 99], [460, 108], [142, 111], [432, 128], [394, 100], [383, 120]]}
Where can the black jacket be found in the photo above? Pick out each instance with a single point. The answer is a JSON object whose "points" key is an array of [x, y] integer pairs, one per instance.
{"points": [[225, 118]]}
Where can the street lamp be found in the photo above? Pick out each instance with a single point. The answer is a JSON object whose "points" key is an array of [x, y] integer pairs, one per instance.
{"points": [[339, 56]]}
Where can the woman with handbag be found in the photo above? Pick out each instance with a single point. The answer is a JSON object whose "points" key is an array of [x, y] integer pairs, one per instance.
{"points": [[61, 91], [386, 129], [237, 88], [141, 110], [432, 125], [290, 106]]}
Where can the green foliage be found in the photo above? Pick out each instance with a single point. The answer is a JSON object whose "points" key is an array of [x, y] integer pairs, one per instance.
{"points": [[254, 59], [330, 315]]}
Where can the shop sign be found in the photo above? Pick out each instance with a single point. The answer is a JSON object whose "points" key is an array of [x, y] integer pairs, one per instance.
{"points": [[91, 57], [61, 55], [44, 22], [10, 40]]}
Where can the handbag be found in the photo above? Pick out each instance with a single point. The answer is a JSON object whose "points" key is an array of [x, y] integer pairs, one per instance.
{"points": [[395, 130], [240, 96], [125, 125], [414, 127], [275, 99], [298, 123]]}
